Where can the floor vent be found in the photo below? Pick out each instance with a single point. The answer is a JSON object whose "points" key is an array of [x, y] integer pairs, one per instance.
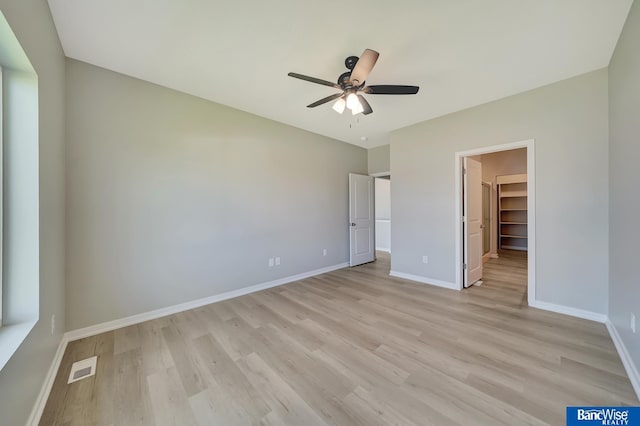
{"points": [[83, 369]]}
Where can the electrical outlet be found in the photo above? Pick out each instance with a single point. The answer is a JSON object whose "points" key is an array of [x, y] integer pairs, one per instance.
{"points": [[53, 323], [425, 259], [633, 322], [277, 261], [324, 252], [270, 262]]}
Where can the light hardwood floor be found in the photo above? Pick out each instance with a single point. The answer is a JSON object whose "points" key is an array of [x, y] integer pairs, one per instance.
{"points": [[351, 347]]}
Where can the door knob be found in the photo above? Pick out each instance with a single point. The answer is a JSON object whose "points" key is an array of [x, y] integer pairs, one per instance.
{"points": [[353, 224]]}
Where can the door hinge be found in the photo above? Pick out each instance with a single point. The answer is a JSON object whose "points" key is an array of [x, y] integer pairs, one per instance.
{"points": [[464, 218], [464, 171], [464, 266]]}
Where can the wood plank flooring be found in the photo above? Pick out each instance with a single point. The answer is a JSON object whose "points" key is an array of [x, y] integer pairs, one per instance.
{"points": [[351, 347]]}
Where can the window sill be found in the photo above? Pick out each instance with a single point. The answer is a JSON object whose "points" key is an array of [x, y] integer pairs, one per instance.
{"points": [[11, 337]]}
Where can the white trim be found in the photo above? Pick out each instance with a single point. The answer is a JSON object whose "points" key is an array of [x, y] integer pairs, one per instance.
{"points": [[531, 207], [625, 357], [43, 396], [11, 337], [386, 250], [567, 310], [1, 198], [70, 336], [424, 280], [380, 174], [169, 310]]}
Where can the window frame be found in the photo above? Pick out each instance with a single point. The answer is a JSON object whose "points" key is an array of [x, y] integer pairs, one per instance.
{"points": [[20, 188], [1, 190]]}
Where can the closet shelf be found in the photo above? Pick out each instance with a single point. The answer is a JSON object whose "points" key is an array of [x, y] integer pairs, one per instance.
{"points": [[514, 194], [512, 197]]}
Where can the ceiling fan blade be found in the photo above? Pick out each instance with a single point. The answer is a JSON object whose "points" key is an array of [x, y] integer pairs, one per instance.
{"points": [[363, 67], [314, 80], [386, 89], [365, 105], [325, 100]]}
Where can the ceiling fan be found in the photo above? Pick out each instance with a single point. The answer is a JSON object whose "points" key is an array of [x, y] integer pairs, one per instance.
{"points": [[352, 83]]}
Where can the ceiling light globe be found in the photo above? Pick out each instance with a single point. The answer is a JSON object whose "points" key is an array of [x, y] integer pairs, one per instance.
{"points": [[352, 101], [339, 106], [357, 109]]}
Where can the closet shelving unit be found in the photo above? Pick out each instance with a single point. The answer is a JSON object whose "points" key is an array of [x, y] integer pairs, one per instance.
{"points": [[512, 212]]}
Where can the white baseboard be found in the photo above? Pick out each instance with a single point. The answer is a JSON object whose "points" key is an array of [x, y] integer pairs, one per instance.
{"points": [[43, 396], [384, 249], [169, 310], [627, 361], [425, 280], [574, 312]]}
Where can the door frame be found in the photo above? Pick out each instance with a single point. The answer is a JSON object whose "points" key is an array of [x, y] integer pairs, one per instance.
{"points": [[531, 208]]}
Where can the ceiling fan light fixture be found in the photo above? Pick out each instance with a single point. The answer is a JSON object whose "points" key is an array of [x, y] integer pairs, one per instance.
{"points": [[351, 85], [357, 108], [339, 106], [352, 101]]}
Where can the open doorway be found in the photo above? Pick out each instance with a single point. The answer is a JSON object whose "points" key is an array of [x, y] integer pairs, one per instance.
{"points": [[383, 213], [383, 219], [495, 218]]}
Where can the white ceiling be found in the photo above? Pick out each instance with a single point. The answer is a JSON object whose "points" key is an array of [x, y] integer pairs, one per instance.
{"points": [[461, 53]]}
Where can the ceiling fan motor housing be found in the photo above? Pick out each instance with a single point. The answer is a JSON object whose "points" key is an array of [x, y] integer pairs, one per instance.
{"points": [[350, 62], [344, 78]]}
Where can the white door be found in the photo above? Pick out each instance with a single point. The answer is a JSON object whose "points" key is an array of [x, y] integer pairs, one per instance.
{"points": [[472, 221], [361, 219]]}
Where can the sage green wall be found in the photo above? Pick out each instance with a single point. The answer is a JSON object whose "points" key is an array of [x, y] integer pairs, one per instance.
{"points": [[22, 377], [624, 152], [568, 121], [172, 198], [378, 159]]}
